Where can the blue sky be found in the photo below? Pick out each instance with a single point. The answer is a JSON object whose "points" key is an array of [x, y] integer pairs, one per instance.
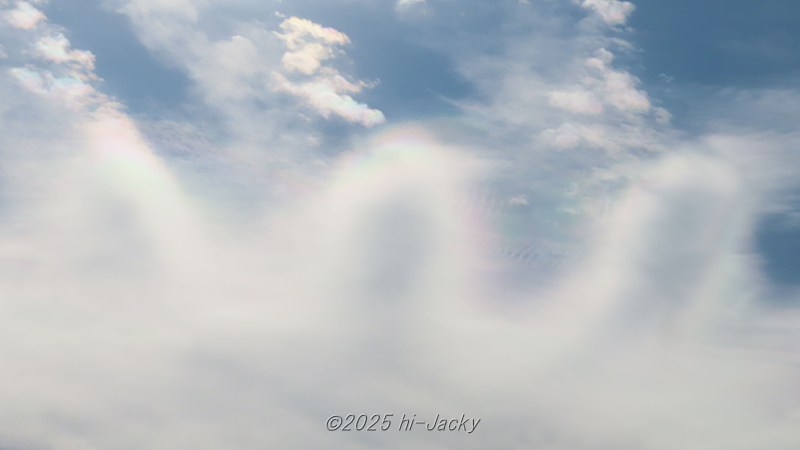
{"points": [[222, 222], [747, 44]]}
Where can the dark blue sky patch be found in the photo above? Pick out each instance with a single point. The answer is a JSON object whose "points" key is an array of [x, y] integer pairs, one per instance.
{"points": [[713, 50], [129, 71], [734, 42], [778, 243], [414, 81]]}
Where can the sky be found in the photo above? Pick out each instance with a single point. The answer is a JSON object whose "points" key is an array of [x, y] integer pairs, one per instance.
{"points": [[224, 222]]}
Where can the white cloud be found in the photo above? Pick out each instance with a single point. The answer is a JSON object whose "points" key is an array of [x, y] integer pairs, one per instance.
{"points": [[66, 88], [662, 115], [309, 45], [577, 101], [308, 60], [30, 79], [327, 96], [617, 87], [611, 111], [616, 141], [25, 16], [298, 31], [581, 101], [210, 313], [407, 3], [236, 75], [68, 76], [57, 49], [613, 12], [518, 200], [173, 9], [60, 72]]}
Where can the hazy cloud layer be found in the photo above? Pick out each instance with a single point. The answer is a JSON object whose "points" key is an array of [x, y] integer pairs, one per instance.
{"points": [[559, 260]]}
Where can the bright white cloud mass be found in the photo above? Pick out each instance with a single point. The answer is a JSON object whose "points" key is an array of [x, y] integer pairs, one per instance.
{"points": [[563, 249]]}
